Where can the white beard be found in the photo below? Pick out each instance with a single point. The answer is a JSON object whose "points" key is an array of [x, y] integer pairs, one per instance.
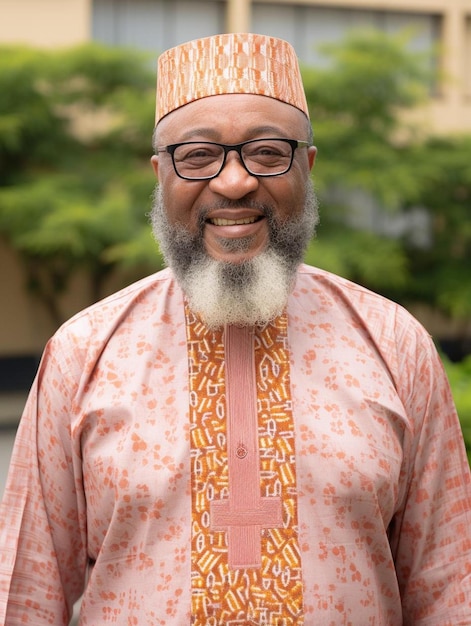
{"points": [[256, 294], [248, 293]]}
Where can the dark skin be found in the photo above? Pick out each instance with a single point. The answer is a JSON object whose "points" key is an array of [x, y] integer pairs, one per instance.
{"points": [[230, 119]]}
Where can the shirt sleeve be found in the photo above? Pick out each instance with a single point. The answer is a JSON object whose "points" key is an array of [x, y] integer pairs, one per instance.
{"points": [[431, 533], [42, 516]]}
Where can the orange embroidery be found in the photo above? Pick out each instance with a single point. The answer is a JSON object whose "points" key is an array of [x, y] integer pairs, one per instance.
{"points": [[271, 594]]}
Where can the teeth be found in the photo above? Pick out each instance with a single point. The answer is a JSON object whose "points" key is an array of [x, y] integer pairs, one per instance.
{"points": [[218, 221]]}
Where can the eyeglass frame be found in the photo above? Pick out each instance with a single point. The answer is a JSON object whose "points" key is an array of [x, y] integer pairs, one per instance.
{"points": [[237, 147]]}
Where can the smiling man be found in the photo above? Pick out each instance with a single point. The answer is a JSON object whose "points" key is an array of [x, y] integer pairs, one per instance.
{"points": [[240, 438], [235, 208]]}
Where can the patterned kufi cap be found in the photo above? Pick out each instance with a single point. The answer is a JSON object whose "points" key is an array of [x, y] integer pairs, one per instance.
{"points": [[228, 63]]}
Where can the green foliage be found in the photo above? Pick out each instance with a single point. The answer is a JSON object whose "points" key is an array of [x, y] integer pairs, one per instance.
{"points": [[375, 73], [442, 274], [361, 256], [459, 375], [30, 130], [355, 104], [75, 141], [367, 149]]}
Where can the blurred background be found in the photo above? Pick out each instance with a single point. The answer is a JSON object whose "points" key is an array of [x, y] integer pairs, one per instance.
{"points": [[389, 89]]}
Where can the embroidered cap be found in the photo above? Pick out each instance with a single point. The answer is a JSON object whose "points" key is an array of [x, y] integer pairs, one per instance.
{"points": [[228, 63]]}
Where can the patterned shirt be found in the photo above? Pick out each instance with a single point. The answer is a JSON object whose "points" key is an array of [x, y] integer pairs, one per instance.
{"points": [[127, 459]]}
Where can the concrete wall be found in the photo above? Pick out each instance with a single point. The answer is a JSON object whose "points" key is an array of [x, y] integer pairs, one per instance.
{"points": [[47, 23]]}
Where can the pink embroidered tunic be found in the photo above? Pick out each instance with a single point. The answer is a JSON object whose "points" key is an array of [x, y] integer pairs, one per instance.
{"points": [[310, 472]]}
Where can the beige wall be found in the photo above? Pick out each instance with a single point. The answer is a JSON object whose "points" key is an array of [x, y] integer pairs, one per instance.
{"points": [[238, 15], [451, 111], [24, 325], [47, 23], [16, 315]]}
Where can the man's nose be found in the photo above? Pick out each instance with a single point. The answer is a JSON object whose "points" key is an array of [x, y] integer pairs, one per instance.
{"points": [[234, 181]]}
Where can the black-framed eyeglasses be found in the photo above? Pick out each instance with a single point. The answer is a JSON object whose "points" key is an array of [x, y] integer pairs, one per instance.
{"points": [[203, 160]]}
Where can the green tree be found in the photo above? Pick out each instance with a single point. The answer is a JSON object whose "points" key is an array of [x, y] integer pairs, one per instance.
{"points": [[370, 156], [356, 102], [442, 276], [75, 130], [459, 375]]}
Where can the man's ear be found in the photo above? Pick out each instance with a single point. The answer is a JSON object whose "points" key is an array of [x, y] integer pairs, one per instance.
{"points": [[311, 155], [155, 165]]}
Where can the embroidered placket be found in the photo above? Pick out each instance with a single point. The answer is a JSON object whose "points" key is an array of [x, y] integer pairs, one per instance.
{"points": [[245, 512], [246, 564]]}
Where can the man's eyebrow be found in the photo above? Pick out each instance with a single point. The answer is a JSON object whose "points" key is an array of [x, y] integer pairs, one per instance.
{"points": [[210, 134]]}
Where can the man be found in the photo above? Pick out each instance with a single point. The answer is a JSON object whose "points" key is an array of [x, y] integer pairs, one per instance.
{"points": [[240, 438]]}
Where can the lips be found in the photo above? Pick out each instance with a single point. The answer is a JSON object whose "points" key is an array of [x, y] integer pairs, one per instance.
{"points": [[220, 221], [235, 234]]}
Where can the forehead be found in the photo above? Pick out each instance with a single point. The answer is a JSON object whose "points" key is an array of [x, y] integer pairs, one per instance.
{"points": [[232, 118]]}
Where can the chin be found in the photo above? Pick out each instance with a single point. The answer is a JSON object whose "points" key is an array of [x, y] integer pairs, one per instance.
{"points": [[251, 292]]}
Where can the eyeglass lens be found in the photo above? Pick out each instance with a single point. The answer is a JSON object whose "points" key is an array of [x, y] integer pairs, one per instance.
{"points": [[263, 157]]}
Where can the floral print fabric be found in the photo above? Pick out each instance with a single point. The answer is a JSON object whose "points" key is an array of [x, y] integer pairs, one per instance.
{"points": [[98, 499]]}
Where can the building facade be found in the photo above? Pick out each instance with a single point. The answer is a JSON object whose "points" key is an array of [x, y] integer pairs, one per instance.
{"points": [[440, 25]]}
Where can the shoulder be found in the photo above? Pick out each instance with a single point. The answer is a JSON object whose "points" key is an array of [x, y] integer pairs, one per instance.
{"points": [[353, 313], [338, 296], [138, 308], [141, 297]]}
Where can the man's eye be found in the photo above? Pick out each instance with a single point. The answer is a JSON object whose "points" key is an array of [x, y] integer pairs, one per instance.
{"points": [[198, 153], [268, 150]]}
